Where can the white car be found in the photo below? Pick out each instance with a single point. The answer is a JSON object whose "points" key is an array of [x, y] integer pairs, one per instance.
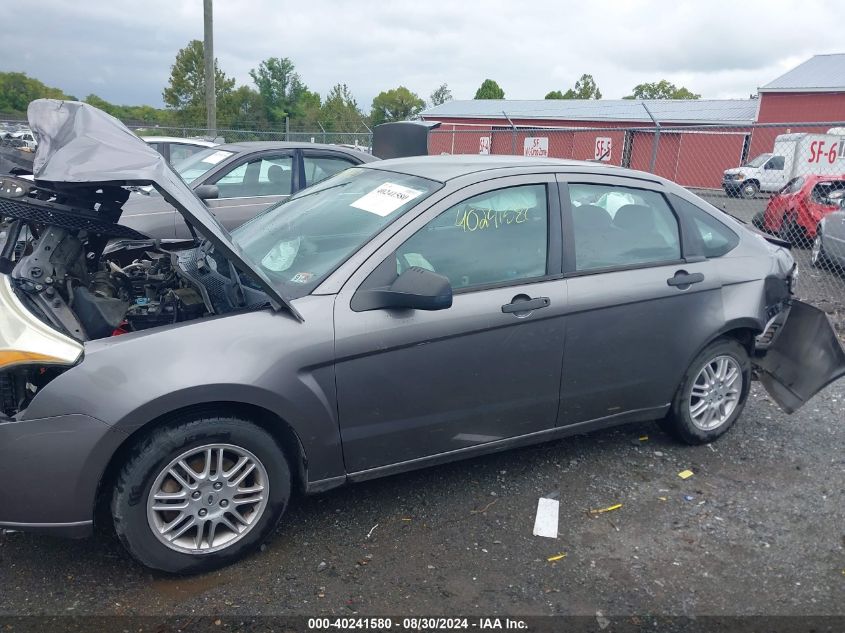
{"points": [[176, 149], [27, 137]]}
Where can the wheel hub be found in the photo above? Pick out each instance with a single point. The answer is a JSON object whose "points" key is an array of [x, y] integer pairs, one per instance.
{"points": [[207, 499], [715, 393]]}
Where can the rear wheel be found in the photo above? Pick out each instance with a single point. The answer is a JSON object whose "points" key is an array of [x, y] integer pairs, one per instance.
{"points": [[711, 395], [200, 494]]}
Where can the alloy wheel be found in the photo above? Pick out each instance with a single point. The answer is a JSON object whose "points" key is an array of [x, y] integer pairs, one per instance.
{"points": [[208, 498], [715, 393]]}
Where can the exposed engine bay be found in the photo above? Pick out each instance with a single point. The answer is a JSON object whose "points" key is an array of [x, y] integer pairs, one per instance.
{"points": [[82, 274]]}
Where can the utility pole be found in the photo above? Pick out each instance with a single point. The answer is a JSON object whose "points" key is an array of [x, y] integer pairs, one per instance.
{"points": [[208, 52]]}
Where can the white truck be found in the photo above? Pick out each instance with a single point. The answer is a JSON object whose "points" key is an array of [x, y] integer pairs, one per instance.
{"points": [[793, 155]]}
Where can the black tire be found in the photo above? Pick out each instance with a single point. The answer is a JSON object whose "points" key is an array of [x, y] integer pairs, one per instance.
{"points": [[150, 457], [790, 232], [679, 422], [818, 258], [749, 189], [759, 220]]}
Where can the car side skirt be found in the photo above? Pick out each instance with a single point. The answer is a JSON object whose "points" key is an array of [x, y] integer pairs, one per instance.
{"points": [[78, 529], [548, 435]]}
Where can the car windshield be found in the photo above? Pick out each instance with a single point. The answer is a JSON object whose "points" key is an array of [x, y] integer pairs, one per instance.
{"points": [[195, 165], [297, 243], [759, 161]]}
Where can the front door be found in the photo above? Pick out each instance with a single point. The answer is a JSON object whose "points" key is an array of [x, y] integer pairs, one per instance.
{"points": [[413, 384]]}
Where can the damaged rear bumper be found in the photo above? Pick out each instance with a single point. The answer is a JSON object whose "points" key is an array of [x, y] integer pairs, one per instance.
{"points": [[798, 355]]}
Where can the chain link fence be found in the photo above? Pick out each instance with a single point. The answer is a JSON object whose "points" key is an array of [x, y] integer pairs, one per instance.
{"points": [[787, 178]]}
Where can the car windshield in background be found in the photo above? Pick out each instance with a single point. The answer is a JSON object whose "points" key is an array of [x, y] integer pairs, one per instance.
{"points": [[200, 163], [299, 242], [758, 161]]}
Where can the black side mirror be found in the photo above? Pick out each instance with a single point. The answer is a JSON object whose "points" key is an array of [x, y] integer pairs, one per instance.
{"points": [[207, 192], [415, 289]]}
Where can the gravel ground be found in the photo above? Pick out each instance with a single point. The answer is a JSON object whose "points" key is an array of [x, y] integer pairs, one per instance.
{"points": [[758, 529]]}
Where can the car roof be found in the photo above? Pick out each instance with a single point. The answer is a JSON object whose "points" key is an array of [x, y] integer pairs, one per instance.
{"points": [[177, 139], [446, 167], [256, 146]]}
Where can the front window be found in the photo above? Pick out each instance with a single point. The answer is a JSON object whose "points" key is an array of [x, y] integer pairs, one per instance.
{"points": [[793, 186], [759, 161], [200, 163], [297, 243]]}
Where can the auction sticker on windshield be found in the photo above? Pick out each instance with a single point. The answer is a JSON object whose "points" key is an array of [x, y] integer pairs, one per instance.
{"points": [[217, 156], [386, 198]]}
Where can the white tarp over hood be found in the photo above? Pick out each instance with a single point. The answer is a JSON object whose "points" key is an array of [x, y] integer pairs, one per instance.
{"points": [[78, 143]]}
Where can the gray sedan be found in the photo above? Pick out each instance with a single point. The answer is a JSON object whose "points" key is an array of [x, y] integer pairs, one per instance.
{"points": [[829, 245], [237, 181], [397, 315]]}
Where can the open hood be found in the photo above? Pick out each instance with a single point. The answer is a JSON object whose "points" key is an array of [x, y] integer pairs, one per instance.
{"points": [[80, 144]]}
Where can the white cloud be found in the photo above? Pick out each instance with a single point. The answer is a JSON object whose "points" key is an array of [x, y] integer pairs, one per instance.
{"points": [[123, 50]]}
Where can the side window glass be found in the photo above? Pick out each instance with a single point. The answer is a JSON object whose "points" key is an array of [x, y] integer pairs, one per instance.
{"points": [[716, 238], [776, 162], [181, 151], [621, 226], [267, 176], [498, 236], [319, 168]]}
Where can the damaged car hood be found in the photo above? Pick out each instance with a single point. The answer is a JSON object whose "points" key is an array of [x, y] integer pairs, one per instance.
{"points": [[81, 144]]}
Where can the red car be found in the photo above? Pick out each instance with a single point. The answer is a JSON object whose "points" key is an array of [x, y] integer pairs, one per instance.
{"points": [[795, 211]]}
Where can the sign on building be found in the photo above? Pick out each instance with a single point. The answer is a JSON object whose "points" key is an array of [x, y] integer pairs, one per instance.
{"points": [[484, 145], [536, 146], [604, 146]]}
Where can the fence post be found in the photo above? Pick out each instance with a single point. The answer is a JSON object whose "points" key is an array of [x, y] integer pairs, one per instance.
{"points": [[513, 134], [656, 143]]}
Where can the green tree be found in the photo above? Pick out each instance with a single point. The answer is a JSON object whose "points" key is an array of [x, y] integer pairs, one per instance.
{"points": [[280, 87], [242, 108], [554, 94], [396, 104], [339, 111], [185, 91], [489, 90], [441, 95], [662, 89], [585, 88], [17, 90]]}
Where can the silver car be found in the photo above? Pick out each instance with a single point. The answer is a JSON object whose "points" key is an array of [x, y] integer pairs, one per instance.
{"points": [[397, 315], [828, 249]]}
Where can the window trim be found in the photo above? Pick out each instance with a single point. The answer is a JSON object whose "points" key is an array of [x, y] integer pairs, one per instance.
{"points": [[390, 244], [318, 153], [688, 252]]}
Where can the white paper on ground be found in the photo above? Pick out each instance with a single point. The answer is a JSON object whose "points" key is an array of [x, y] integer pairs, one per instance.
{"points": [[548, 512]]}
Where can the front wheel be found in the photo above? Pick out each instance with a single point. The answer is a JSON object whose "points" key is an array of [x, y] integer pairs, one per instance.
{"points": [[749, 189], [711, 395], [200, 494], [817, 254]]}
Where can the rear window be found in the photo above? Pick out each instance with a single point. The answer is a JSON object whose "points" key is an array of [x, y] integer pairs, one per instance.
{"points": [[716, 239], [821, 192]]}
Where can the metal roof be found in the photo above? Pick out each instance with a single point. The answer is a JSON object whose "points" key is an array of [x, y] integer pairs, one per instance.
{"points": [[705, 111], [820, 73]]}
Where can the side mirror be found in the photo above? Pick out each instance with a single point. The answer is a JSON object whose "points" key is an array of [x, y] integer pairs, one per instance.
{"points": [[207, 192], [415, 289]]}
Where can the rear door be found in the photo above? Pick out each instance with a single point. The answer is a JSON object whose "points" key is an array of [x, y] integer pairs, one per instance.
{"points": [[318, 165], [248, 186], [639, 306]]}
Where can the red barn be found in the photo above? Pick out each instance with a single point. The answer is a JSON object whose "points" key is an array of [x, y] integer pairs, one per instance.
{"points": [[699, 139]]}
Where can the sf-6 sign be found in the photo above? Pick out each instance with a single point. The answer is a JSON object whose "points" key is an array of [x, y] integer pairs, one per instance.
{"points": [[604, 146]]}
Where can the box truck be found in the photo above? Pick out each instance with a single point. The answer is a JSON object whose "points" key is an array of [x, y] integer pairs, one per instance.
{"points": [[793, 155]]}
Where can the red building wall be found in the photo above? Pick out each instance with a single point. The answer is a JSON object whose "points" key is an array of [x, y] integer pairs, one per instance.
{"points": [[794, 107]]}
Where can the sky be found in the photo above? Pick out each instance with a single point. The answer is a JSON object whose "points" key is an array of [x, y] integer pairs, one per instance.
{"points": [[123, 51]]}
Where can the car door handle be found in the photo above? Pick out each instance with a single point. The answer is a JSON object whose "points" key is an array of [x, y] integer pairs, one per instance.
{"points": [[684, 280], [526, 305]]}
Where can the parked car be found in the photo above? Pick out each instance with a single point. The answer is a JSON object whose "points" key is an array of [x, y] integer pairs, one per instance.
{"points": [[399, 314], [796, 154], [796, 210], [26, 137], [239, 180], [176, 149], [829, 244]]}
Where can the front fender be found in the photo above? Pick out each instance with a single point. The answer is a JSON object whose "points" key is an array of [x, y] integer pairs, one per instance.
{"points": [[265, 359]]}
